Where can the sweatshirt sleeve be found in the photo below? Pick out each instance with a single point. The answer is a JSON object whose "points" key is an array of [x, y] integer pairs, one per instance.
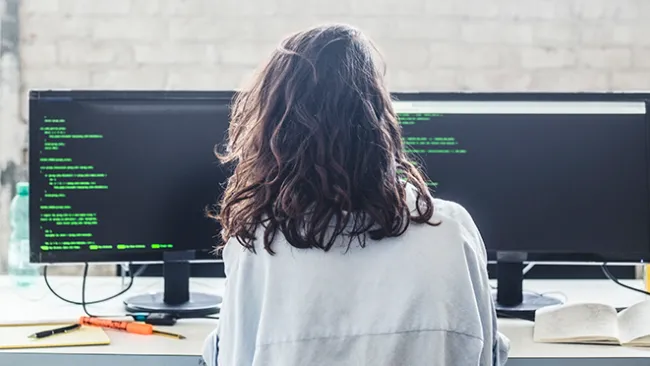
{"points": [[496, 345], [210, 349]]}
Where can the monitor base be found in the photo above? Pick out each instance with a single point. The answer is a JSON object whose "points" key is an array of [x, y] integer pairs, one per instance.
{"points": [[530, 303], [199, 305], [511, 301]]}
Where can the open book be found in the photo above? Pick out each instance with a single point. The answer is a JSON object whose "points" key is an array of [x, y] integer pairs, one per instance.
{"points": [[594, 324]]}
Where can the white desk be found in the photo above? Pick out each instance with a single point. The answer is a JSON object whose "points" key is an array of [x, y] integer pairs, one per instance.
{"points": [[128, 349]]}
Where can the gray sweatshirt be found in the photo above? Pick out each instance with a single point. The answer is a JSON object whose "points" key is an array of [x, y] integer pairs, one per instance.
{"points": [[422, 298]]}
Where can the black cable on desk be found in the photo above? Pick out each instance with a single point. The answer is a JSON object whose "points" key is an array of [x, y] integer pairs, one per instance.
{"points": [[127, 288], [83, 301], [613, 278], [83, 290]]}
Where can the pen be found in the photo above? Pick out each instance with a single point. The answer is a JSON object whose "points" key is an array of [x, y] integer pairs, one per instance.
{"points": [[130, 327], [51, 332]]}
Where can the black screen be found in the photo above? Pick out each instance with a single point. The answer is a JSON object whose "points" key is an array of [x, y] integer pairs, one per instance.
{"points": [[547, 178], [125, 179]]}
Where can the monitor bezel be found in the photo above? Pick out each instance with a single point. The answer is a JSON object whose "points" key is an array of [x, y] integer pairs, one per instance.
{"points": [[524, 96], [207, 255]]}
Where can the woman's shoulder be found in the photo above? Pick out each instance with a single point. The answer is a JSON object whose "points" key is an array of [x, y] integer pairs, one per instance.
{"points": [[453, 210], [457, 214], [455, 218], [443, 210]]}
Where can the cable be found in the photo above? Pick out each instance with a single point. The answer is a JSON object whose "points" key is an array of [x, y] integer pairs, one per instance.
{"points": [[527, 269], [132, 275], [613, 278], [83, 290], [83, 293], [83, 303]]}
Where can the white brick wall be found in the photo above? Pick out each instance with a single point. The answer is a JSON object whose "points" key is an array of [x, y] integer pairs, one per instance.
{"points": [[12, 128], [506, 45], [428, 44]]}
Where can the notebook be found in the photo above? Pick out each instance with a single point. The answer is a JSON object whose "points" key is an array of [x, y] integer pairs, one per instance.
{"points": [[13, 337], [590, 323]]}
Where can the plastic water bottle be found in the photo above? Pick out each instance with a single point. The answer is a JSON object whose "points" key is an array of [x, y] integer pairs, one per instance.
{"points": [[21, 271]]}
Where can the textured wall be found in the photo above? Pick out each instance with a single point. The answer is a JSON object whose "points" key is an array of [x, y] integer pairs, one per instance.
{"points": [[12, 127], [567, 45], [429, 44]]}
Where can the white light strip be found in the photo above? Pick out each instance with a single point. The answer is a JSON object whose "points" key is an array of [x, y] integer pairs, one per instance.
{"points": [[461, 107]]}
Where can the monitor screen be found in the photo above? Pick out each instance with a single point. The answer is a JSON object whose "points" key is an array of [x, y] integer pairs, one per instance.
{"points": [[124, 176], [540, 177]]}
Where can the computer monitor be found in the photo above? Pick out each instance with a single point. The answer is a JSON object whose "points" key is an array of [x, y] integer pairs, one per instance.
{"points": [[127, 176], [560, 178]]}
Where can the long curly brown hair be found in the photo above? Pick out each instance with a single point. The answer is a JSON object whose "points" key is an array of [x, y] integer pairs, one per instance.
{"points": [[317, 148]]}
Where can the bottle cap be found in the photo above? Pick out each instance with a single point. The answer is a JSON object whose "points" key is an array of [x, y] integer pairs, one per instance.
{"points": [[22, 189]]}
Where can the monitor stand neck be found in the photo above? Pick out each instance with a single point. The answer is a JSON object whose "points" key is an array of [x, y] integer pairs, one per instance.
{"points": [[176, 299], [176, 278], [511, 299]]}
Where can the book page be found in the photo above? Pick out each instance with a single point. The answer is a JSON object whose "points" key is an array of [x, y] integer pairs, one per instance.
{"points": [[634, 324], [576, 323]]}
